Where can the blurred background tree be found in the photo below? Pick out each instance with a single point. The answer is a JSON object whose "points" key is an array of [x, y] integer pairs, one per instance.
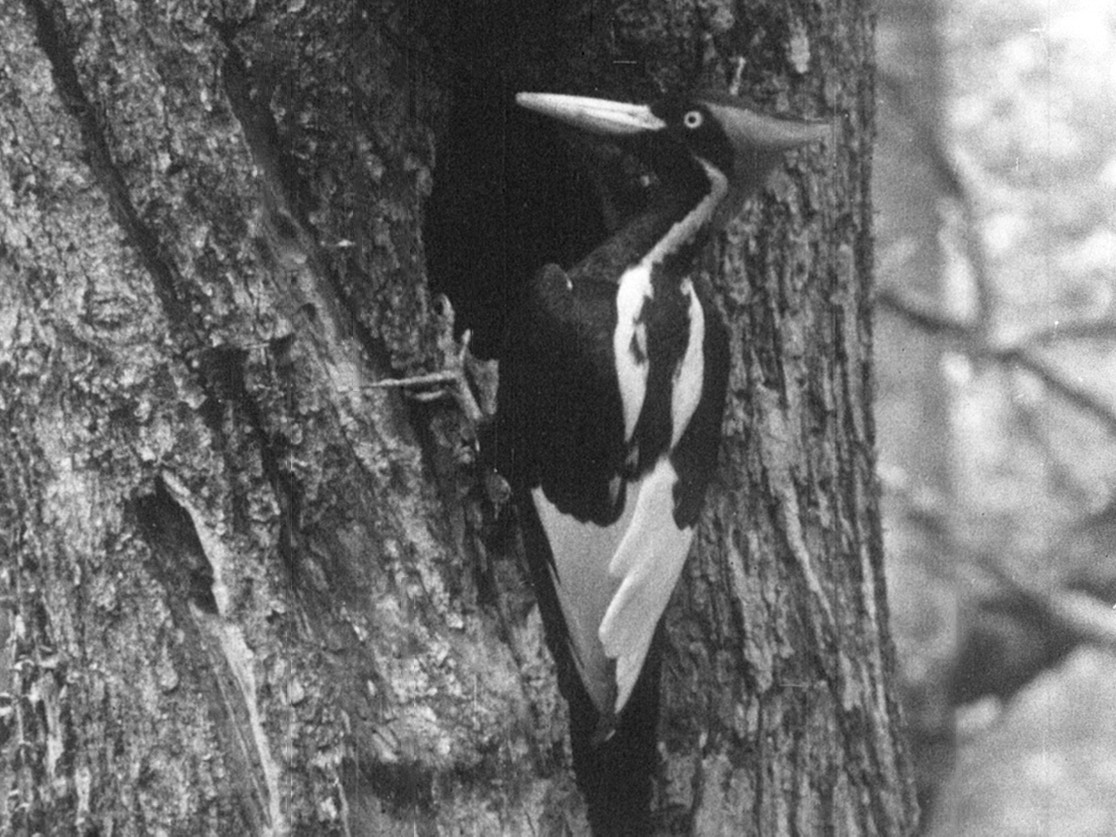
{"points": [[996, 184]]}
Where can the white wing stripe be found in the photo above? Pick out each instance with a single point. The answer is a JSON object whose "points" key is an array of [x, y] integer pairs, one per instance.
{"points": [[686, 391], [635, 285], [647, 565], [584, 587]]}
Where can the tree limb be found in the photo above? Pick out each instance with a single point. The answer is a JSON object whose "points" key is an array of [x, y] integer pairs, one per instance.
{"points": [[972, 342]]}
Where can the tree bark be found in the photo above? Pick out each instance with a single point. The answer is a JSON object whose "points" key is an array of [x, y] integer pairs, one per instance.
{"points": [[245, 591]]}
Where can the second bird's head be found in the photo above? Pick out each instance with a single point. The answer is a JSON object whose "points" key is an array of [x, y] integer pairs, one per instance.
{"points": [[720, 130]]}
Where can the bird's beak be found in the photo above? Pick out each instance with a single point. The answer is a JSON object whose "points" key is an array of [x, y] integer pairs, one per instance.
{"points": [[600, 116], [747, 129]]}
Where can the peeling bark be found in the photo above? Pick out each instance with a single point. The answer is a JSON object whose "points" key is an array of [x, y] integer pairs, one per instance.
{"points": [[244, 590]]}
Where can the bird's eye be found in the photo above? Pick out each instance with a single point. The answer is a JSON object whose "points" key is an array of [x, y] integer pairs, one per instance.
{"points": [[693, 119]]}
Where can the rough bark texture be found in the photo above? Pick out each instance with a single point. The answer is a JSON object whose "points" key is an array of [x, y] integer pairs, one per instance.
{"points": [[245, 592]]}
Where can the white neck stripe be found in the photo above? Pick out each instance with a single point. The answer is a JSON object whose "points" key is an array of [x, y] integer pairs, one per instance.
{"points": [[694, 220], [635, 287]]}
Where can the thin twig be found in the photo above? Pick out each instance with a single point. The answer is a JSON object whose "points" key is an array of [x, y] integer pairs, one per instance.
{"points": [[1080, 397], [1077, 330]]}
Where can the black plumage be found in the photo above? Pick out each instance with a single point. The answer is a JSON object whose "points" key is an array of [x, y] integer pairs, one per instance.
{"points": [[609, 410]]}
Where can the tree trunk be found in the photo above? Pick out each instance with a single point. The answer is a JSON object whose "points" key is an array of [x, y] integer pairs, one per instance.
{"points": [[244, 590]]}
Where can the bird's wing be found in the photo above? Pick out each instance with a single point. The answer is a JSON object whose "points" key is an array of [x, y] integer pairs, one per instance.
{"points": [[646, 566], [584, 588], [695, 455], [650, 557], [613, 582], [613, 551], [559, 440], [559, 418]]}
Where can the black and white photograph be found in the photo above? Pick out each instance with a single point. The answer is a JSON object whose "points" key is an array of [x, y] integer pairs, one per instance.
{"points": [[588, 418]]}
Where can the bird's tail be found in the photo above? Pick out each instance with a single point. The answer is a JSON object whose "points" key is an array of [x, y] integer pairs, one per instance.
{"points": [[616, 755], [615, 759]]}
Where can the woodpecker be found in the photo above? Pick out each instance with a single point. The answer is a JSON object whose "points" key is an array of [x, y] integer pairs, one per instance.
{"points": [[608, 421]]}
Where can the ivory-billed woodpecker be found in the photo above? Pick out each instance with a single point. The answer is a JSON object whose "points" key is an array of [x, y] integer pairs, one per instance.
{"points": [[608, 422]]}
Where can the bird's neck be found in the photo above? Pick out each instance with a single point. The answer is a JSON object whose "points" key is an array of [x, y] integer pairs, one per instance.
{"points": [[673, 226], [690, 219]]}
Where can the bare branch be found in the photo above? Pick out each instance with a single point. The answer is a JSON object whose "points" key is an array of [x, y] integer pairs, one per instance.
{"points": [[1080, 397], [932, 322], [1023, 357], [1079, 330]]}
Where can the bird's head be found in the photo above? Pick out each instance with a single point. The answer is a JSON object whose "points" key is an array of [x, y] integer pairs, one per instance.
{"points": [[719, 130]]}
